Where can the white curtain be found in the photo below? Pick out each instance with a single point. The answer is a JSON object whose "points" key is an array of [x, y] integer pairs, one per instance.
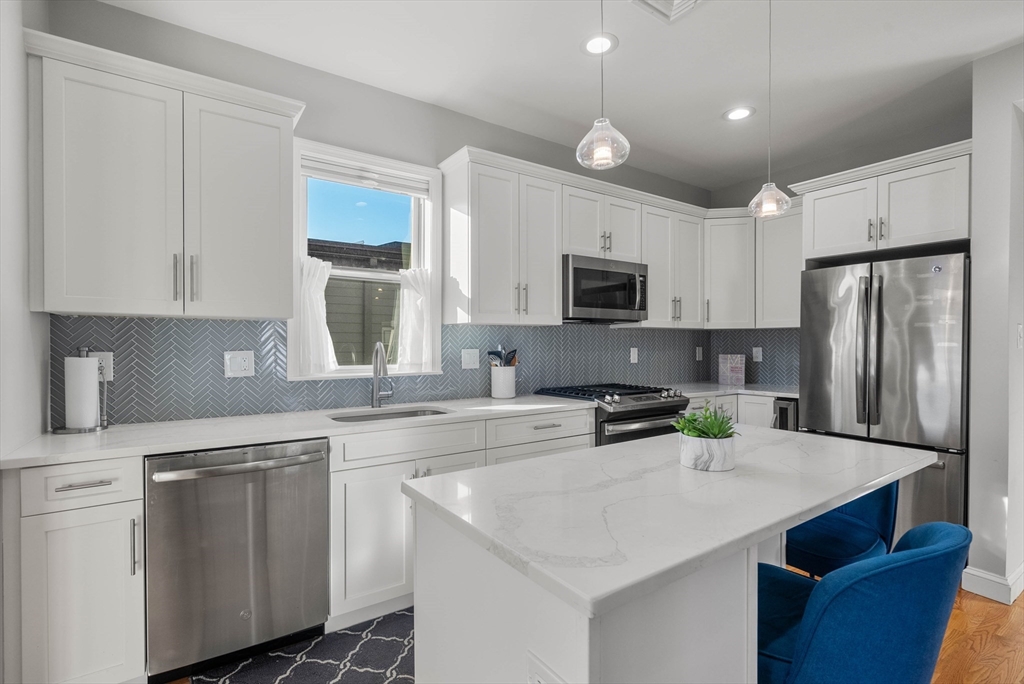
{"points": [[316, 348], [415, 343]]}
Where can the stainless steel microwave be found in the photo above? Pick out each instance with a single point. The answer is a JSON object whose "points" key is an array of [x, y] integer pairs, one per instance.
{"points": [[603, 290]]}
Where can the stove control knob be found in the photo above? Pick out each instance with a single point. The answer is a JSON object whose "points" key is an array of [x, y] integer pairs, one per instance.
{"points": [[677, 393], [608, 398], [616, 399], [665, 394]]}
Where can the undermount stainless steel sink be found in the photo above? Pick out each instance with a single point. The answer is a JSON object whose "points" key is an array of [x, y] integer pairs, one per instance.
{"points": [[387, 414]]}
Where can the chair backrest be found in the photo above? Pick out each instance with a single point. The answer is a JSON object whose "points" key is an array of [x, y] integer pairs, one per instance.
{"points": [[877, 509], [883, 619]]}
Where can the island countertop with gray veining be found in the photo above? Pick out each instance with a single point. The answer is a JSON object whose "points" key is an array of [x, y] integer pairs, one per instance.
{"points": [[602, 526]]}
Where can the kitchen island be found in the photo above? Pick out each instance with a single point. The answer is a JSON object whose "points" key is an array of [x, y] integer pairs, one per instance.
{"points": [[617, 564]]}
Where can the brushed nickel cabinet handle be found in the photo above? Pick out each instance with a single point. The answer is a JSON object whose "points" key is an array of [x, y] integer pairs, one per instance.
{"points": [[84, 485], [609, 241], [707, 311], [871, 230], [881, 227], [526, 299], [175, 276], [192, 277], [131, 528], [517, 297], [547, 426]]}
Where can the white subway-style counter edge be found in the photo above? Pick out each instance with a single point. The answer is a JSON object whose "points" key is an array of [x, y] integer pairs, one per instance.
{"points": [[146, 439]]}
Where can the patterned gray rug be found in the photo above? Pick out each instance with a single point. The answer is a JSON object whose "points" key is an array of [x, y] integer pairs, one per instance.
{"points": [[376, 652]]}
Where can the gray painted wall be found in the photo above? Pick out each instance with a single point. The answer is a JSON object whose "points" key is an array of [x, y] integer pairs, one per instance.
{"points": [[944, 117], [339, 111]]}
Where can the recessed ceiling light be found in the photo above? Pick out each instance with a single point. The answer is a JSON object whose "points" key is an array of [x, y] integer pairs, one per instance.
{"points": [[599, 43], [738, 113]]}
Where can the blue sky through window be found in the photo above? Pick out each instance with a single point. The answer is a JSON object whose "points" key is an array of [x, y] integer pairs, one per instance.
{"points": [[348, 213]]}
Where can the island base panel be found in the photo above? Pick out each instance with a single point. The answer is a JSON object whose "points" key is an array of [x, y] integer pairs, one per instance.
{"points": [[480, 620]]}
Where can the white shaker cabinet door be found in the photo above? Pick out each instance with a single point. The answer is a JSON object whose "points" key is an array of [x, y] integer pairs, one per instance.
{"points": [[494, 211], [688, 250], [112, 194], [754, 410], [540, 251], [659, 241], [728, 404], [929, 203], [83, 595], [729, 273], [779, 265], [239, 255], [371, 536], [841, 220], [583, 230], [622, 221]]}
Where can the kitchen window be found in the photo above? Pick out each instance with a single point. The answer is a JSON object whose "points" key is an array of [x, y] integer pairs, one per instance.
{"points": [[371, 229]]}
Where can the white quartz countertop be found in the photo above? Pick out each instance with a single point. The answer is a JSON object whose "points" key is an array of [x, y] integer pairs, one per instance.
{"points": [[696, 390], [143, 439], [600, 527]]}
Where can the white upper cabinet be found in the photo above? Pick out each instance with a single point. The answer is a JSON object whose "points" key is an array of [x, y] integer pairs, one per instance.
{"points": [[583, 216], [112, 193], [238, 211], [729, 273], [540, 257], [777, 269], [915, 203], [622, 222], [600, 225], [156, 201], [672, 251], [927, 203], [503, 236], [840, 220]]}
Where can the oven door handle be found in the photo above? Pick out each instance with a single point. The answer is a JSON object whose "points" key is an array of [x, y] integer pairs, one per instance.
{"points": [[617, 428], [236, 468]]}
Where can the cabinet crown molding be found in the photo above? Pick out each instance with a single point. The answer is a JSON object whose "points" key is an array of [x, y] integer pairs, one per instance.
{"points": [[909, 161], [64, 50], [741, 212], [476, 155]]}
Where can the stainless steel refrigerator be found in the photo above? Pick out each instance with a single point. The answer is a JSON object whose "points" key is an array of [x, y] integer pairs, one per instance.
{"points": [[883, 356]]}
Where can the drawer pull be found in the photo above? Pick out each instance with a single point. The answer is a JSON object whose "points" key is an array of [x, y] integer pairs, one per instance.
{"points": [[84, 485], [547, 426]]}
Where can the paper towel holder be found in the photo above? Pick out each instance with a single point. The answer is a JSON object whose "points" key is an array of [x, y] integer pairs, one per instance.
{"points": [[83, 352]]}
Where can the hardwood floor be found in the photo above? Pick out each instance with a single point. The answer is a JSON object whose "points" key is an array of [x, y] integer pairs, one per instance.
{"points": [[984, 642]]}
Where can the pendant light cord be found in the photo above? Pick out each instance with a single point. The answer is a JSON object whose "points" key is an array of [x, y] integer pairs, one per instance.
{"points": [[602, 61], [769, 90]]}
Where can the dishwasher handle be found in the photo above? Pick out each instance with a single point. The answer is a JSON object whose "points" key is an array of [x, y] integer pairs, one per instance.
{"points": [[237, 468]]}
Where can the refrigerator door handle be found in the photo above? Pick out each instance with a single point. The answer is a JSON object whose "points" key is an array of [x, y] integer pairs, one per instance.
{"points": [[863, 295], [874, 359]]}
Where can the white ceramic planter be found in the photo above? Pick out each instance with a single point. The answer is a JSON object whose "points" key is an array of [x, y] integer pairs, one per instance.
{"points": [[713, 455]]}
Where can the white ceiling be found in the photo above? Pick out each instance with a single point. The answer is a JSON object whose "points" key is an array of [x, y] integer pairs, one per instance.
{"points": [[518, 63]]}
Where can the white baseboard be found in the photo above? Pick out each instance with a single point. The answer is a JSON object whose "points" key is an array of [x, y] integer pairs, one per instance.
{"points": [[336, 622], [992, 586]]}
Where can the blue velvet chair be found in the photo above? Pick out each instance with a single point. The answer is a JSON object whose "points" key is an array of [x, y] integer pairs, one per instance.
{"points": [[878, 620], [860, 529]]}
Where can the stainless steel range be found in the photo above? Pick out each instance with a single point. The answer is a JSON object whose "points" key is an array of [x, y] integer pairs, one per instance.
{"points": [[627, 412]]}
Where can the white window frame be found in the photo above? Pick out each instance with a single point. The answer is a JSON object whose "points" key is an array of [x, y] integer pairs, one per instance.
{"points": [[427, 246]]}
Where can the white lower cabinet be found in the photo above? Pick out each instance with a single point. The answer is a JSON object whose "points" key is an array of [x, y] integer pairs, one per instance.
{"points": [[753, 410], [83, 595], [439, 465], [521, 452], [727, 403]]}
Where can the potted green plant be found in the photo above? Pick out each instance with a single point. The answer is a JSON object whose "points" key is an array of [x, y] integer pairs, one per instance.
{"points": [[706, 440]]}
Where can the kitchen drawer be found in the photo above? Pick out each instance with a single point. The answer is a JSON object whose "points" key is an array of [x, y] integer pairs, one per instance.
{"points": [[698, 404], [502, 432], [49, 489], [407, 444], [521, 452]]}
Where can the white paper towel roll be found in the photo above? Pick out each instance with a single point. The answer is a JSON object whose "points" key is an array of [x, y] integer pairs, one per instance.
{"points": [[81, 392]]}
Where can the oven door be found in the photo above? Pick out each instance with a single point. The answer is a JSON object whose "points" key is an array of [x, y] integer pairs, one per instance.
{"points": [[628, 428], [603, 289]]}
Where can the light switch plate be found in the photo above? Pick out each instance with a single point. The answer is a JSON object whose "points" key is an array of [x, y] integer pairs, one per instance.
{"points": [[700, 353], [238, 364], [757, 354], [107, 360], [634, 355], [470, 358]]}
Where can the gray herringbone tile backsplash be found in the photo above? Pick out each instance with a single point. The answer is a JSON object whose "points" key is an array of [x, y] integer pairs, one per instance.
{"points": [[173, 369]]}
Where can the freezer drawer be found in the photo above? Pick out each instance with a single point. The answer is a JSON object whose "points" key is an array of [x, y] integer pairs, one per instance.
{"points": [[936, 493]]}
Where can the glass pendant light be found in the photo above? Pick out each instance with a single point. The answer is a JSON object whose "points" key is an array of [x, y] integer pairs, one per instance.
{"points": [[603, 147], [770, 201]]}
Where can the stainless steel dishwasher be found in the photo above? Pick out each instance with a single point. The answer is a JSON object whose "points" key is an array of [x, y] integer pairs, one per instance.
{"points": [[237, 549]]}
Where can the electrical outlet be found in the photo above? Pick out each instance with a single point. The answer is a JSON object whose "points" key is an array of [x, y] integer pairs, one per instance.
{"points": [[634, 355], [238, 364], [757, 355], [470, 358], [700, 353], [107, 361]]}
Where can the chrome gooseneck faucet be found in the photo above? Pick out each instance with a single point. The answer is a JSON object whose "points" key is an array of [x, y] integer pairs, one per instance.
{"points": [[380, 370]]}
